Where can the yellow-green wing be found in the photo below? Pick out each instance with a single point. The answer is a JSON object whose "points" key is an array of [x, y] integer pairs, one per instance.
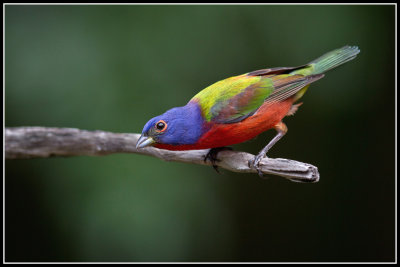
{"points": [[236, 98], [233, 97]]}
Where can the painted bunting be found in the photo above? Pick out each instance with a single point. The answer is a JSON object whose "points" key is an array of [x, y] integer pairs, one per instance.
{"points": [[239, 108]]}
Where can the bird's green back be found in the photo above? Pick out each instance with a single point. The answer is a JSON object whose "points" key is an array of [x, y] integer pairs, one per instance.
{"points": [[236, 98], [214, 98]]}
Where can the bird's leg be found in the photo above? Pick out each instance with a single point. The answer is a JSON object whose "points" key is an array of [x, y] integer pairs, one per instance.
{"points": [[281, 129], [212, 156]]}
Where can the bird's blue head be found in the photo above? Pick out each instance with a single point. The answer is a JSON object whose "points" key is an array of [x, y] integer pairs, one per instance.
{"points": [[177, 126]]}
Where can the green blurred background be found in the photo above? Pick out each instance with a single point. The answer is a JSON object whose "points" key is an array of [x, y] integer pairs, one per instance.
{"points": [[114, 67]]}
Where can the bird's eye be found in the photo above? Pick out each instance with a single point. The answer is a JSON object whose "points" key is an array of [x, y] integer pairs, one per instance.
{"points": [[161, 126]]}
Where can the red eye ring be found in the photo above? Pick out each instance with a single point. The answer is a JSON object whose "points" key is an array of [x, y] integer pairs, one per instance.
{"points": [[161, 126]]}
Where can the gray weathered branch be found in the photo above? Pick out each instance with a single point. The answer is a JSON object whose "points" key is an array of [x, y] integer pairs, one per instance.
{"points": [[42, 142]]}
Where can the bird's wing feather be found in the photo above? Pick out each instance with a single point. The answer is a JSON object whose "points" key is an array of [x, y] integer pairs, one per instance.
{"points": [[278, 70], [290, 85], [236, 98], [247, 91]]}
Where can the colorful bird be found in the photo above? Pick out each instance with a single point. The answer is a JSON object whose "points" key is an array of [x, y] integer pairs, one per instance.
{"points": [[239, 108]]}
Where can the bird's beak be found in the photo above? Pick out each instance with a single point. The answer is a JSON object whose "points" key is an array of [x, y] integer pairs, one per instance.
{"points": [[144, 141]]}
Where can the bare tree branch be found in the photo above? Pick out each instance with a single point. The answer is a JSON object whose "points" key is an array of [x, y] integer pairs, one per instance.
{"points": [[42, 142]]}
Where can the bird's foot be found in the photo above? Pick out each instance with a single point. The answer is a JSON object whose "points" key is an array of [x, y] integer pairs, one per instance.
{"points": [[255, 164], [212, 156]]}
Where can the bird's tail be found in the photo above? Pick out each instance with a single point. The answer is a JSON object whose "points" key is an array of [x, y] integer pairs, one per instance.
{"points": [[334, 59]]}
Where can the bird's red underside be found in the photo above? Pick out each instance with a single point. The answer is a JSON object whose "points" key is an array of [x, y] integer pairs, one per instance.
{"points": [[220, 135]]}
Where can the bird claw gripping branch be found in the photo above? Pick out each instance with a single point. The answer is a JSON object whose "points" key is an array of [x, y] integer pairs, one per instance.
{"points": [[212, 156]]}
